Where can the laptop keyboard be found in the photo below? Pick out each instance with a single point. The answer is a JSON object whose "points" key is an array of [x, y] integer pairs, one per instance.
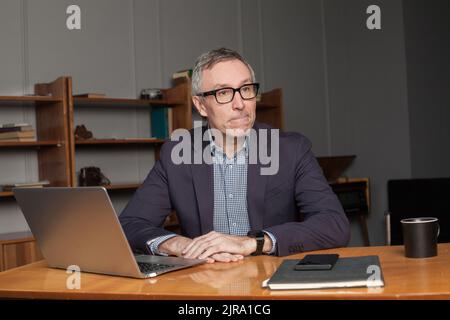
{"points": [[146, 267]]}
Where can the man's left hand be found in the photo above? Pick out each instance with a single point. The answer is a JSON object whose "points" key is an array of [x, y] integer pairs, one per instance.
{"points": [[215, 242]]}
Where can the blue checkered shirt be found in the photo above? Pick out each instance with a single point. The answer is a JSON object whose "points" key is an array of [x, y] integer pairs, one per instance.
{"points": [[230, 196]]}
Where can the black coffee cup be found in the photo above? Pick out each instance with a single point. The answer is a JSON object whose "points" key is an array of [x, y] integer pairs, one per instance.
{"points": [[420, 237]]}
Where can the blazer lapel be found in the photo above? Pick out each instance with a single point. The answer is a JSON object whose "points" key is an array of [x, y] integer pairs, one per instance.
{"points": [[203, 176], [256, 187]]}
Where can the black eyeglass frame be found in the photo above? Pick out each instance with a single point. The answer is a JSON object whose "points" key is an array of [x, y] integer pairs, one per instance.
{"points": [[213, 92]]}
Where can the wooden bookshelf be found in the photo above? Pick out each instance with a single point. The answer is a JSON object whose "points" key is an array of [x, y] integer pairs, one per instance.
{"points": [[52, 149]]}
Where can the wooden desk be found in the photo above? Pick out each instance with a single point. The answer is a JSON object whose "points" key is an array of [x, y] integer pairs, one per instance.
{"points": [[404, 279]]}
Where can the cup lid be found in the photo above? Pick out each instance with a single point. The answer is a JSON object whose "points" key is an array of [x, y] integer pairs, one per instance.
{"points": [[419, 220]]}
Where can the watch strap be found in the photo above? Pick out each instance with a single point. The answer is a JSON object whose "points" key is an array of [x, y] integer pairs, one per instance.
{"points": [[259, 236]]}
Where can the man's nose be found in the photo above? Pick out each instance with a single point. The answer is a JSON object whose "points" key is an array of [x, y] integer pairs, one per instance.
{"points": [[238, 102]]}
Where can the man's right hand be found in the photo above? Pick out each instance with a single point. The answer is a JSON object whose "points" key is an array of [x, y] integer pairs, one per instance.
{"points": [[175, 246]]}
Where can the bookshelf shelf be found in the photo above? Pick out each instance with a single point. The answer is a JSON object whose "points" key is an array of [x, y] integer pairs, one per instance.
{"points": [[118, 141], [6, 194], [32, 144], [118, 102], [29, 99]]}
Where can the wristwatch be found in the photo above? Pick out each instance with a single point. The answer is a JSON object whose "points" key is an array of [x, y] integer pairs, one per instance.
{"points": [[259, 236]]}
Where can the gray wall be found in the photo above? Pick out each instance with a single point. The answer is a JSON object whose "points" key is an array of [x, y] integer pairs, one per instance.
{"points": [[366, 74], [345, 87], [427, 54]]}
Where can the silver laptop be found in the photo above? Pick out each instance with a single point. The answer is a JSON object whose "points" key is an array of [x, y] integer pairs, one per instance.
{"points": [[78, 226]]}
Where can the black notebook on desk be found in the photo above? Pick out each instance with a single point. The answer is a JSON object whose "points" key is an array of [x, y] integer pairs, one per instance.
{"points": [[346, 273]]}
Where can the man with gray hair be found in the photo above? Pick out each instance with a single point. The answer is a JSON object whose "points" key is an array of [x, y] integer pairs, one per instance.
{"points": [[227, 209]]}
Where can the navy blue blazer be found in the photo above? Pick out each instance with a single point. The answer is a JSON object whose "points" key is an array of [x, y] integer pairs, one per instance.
{"points": [[296, 204]]}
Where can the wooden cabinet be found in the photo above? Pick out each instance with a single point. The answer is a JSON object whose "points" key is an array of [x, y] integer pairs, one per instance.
{"points": [[18, 249]]}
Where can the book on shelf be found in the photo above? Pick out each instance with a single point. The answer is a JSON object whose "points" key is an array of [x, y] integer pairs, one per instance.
{"points": [[14, 125], [187, 73], [91, 95], [36, 184], [14, 129], [350, 272], [49, 94], [13, 135], [160, 123], [169, 122]]}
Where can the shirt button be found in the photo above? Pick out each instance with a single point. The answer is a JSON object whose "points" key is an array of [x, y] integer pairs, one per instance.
{"points": [[230, 196], [234, 224], [231, 166]]}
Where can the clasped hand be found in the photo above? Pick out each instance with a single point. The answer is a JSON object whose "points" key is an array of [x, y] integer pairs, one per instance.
{"points": [[213, 246]]}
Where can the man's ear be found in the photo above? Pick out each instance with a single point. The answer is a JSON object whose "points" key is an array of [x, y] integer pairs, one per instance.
{"points": [[198, 102]]}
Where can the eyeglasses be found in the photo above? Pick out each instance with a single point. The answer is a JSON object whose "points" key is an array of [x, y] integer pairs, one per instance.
{"points": [[225, 95]]}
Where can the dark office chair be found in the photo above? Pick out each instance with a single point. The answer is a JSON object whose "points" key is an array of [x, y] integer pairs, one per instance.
{"points": [[354, 197], [413, 198]]}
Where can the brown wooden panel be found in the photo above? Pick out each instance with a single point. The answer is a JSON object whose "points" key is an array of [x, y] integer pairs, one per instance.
{"points": [[270, 117], [53, 166], [20, 253], [270, 108], [71, 131], [51, 124], [2, 268], [182, 113]]}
